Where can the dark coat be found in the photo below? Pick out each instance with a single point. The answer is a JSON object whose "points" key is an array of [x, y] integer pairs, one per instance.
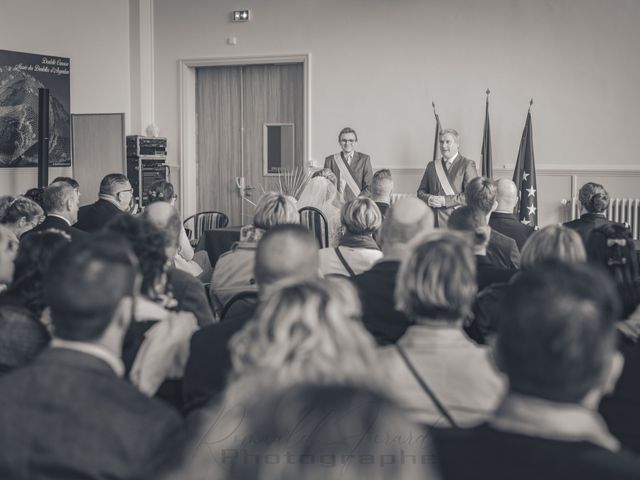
{"points": [[360, 169], [587, 223], [488, 274], [191, 295], [503, 251], [68, 416], [507, 224], [59, 224], [92, 218], [379, 316]]}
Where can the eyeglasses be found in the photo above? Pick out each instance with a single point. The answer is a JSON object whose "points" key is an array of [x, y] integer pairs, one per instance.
{"points": [[123, 191], [348, 140]]}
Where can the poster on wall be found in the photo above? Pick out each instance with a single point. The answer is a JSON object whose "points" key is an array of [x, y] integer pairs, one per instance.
{"points": [[21, 75]]}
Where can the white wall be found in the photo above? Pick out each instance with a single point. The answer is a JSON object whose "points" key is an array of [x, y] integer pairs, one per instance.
{"points": [[376, 65], [95, 35]]}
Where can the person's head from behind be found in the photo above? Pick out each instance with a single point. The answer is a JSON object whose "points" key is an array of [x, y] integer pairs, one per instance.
{"points": [[557, 339], [8, 252], [162, 191], [480, 193], [474, 223], [611, 247], [116, 187], [69, 181], [437, 280], [318, 192], [323, 423], [35, 194], [286, 253], [304, 331], [506, 195], [89, 287], [407, 219], [361, 216], [274, 209], [553, 242], [382, 186], [20, 214], [60, 198], [148, 245], [326, 173], [34, 255], [166, 219], [593, 198]]}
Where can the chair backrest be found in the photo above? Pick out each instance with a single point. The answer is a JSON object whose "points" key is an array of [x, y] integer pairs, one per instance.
{"points": [[203, 221], [316, 222], [248, 298]]}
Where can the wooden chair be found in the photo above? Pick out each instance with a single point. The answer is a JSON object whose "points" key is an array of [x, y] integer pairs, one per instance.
{"points": [[196, 224], [316, 222]]}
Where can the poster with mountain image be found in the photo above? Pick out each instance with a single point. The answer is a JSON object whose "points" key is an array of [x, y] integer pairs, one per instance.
{"points": [[21, 76]]}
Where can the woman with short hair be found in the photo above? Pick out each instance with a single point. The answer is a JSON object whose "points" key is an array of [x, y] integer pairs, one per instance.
{"points": [[357, 250], [20, 214]]}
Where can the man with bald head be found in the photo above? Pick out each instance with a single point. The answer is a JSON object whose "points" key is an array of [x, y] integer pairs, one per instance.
{"points": [[503, 219], [407, 219], [285, 254]]}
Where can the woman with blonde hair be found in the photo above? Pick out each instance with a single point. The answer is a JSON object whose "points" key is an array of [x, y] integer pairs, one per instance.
{"points": [[357, 250], [320, 193], [308, 331]]}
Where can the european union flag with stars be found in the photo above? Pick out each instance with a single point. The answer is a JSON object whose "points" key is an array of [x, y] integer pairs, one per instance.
{"points": [[524, 176]]}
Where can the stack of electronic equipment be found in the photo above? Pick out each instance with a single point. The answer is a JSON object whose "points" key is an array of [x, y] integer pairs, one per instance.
{"points": [[146, 163]]}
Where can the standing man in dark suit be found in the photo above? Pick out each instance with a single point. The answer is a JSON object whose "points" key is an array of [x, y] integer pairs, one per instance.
{"points": [[353, 169], [61, 202], [503, 219], [70, 414], [444, 181], [115, 198]]}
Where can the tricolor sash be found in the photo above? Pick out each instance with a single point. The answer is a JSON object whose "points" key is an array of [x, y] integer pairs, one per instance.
{"points": [[442, 177], [345, 174]]}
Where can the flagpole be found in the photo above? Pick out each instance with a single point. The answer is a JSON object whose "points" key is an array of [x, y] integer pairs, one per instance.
{"points": [[530, 105]]}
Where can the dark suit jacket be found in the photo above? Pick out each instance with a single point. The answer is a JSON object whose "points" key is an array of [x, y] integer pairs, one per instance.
{"points": [[360, 168], [379, 316], [508, 224], [586, 223], [68, 416], [484, 452], [209, 364], [191, 295], [462, 171], [503, 251], [488, 274], [91, 218], [59, 224]]}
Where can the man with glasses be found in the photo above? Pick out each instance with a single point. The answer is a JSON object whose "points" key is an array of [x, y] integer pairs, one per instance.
{"points": [[115, 198], [353, 169]]}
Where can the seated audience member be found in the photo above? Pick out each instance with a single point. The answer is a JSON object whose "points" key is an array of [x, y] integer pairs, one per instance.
{"points": [[69, 181], [329, 175], [551, 243], [233, 272], [61, 204], [331, 432], [309, 331], [557, 347], [381, 188], [19, 214], [474, 223], [69, 414], [187, 290], [594, 201], [406, 220], [357, 251], [285, 254], [320, 193], [22, 335], [502, 219], [35, 194], [156, 345], [502, 251], [115, 198], [8, 252], [440, 376]]}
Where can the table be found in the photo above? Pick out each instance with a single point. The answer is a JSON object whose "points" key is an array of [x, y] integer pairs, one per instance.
{"points": [[218, 241]]}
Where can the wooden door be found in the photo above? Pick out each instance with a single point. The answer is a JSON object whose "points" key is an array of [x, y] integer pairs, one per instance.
{"points": [[233, 105]]}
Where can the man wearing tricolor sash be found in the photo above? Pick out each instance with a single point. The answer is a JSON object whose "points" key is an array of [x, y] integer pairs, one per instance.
{"points": [[442, 186], [353, 169]]}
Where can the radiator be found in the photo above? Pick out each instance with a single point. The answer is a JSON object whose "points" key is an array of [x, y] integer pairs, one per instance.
{"points": [[623, 210]]}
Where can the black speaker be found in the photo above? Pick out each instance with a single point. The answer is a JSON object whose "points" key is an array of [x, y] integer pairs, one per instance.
{"points": [[43, 137]]}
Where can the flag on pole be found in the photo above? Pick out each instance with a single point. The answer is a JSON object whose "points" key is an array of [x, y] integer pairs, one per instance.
{"points": [[524, 176], [436, 140], [487, 165]]}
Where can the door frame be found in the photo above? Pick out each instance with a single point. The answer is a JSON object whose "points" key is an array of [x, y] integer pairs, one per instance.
{"points": [[188, 121]]}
